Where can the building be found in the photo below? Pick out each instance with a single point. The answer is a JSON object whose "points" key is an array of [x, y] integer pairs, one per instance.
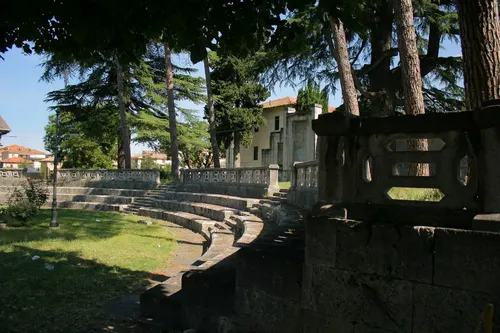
{"points": [[4, 128], [15, 156], [159, 159], [285, 138]]}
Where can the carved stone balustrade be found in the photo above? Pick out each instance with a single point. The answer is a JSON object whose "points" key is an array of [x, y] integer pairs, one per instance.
{"points": [[114, 178], [362, 160], [255, 182], [304, 184], [10, 177]]}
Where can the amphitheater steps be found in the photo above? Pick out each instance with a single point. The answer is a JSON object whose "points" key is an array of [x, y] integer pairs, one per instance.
{"points": [[94, 206], [120, 200]]}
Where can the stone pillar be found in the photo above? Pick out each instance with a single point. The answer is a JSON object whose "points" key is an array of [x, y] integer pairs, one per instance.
{"points": [[236, 152], [489, 163]]}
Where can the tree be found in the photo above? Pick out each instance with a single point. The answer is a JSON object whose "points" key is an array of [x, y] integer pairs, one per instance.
{"points": [[174, 145], [211, 114], [299, 50], [480, 38], [192, 137], [94, 145], [238, 97], [148, 163], [410, 76], [124, 161], [311, 94]]}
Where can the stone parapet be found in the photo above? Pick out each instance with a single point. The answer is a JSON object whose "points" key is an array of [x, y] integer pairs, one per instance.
{"points": [[255, 182], [304, 185], [122, 179]]}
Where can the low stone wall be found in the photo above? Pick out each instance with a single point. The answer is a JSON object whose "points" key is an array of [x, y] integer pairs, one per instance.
{"points": [[12, 177], [123, 179], [366, 277], [304, 185], [257, 182]]}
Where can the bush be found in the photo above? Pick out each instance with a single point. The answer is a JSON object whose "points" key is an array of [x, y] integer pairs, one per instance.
{"points": [[36, 192], [22, 211], [26, 202], [166, 174], [3, 214]]}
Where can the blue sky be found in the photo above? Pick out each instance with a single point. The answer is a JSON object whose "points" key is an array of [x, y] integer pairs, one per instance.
{"points": [[22, 96]]}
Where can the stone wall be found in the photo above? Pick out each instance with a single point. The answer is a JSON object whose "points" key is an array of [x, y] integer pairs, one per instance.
{"points": [[375, 277], [304, 185], [255, 182], [12, 177], [123, 179]]}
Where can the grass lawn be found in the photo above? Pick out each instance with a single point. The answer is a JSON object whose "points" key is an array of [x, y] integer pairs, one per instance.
{"points": [[284, 185], [96, 257], [415, 194]]}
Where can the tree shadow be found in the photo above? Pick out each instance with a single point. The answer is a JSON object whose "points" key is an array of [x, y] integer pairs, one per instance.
{"points": [[74, 224], [67, 298]]}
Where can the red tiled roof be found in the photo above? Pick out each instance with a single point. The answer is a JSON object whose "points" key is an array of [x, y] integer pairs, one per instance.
{"points": [[280, 102], [155, 156], [15, 160], [17, 149], [286, 101]]}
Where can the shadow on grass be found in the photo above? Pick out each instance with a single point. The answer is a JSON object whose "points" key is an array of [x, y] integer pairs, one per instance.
{"points": [[68, 298], [77, 224]]}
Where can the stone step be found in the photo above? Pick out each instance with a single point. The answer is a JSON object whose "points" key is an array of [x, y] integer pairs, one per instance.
{"points": [[280, 194], [190, 221], [108, 199], [214, 199], [94, 206], [213, 212], [100, 191], [284, 190]]}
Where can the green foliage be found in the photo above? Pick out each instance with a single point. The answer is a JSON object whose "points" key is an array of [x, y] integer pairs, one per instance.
{"points": [[237, 98], [36, 192], [166, 174], [22, 211], [311, 94], [192, 135], [148, 163]]}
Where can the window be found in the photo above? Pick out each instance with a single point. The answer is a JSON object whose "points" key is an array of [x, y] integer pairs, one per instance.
{"points": [[255, 153], [276, 123], [256, 129]]}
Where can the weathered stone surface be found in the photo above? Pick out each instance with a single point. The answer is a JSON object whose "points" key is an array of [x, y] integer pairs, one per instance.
{"points": [[321, 241], [467, 260], [397, 251], [383, 303], [271, 274], [261, 312], [486, 222], [320, 323], [441, 309], [362, 328]]}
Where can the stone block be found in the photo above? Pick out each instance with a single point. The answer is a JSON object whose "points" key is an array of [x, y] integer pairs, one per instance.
{"points": [[321, 241], [362, 328], [265, 313], [467, 260], [360, 298], [270, 273], [441, 309], [389, 250], [486, 222], [320, 323]]}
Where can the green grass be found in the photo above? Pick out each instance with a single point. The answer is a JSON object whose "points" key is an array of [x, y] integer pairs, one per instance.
{"points": [[415, 194], [284, 185], [94, 261]]}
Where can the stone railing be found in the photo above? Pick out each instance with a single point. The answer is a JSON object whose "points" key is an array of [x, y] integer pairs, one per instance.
{"points": [[253, 182], [361, 162], [113, 178], [12, 176], [304, 184]]}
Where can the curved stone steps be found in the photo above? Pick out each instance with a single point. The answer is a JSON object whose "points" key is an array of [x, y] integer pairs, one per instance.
{"points": [[94, 206], [214, 199], [99, 191], [118, 200]]}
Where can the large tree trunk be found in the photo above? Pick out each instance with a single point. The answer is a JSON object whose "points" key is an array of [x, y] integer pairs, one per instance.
{"points": [[172, 121], [349, 92], [211, 115], [236, 151], [410, 76], [124, 131], [121, 154], [480, 37], [383, 102]]}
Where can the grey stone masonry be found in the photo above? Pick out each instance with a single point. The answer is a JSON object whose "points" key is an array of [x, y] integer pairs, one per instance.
{"points": [[140, 179], [254, 182]]}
